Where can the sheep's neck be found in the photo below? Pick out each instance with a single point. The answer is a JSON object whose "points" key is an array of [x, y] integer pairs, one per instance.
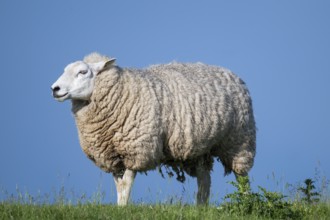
{"points": [[78, 105]]}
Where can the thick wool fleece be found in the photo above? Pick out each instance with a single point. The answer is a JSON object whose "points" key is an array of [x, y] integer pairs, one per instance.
{"points": [[166, 114]]}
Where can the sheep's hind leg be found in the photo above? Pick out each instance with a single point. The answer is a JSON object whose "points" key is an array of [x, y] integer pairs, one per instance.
{"points": [[124, 184], [203, 183]]}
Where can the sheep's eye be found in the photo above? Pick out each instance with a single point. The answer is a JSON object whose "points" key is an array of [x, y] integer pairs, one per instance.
{"points": [[83, 72]]}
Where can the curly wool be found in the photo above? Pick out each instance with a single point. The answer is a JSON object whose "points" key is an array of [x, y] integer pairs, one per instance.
{"points": [[167, 114]]}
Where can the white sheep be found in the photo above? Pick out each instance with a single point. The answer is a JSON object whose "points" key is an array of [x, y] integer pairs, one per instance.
{"points": [[178, 115]]}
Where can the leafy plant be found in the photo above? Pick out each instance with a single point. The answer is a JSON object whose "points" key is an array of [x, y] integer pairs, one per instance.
{"points": [[264, 203], [310, 195]]}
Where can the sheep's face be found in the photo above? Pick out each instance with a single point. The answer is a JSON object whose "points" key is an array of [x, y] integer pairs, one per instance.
{"points": [[77, 81]]}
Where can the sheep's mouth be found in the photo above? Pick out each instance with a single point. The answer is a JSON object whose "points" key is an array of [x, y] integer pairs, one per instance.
{"points": [[61, 97]]}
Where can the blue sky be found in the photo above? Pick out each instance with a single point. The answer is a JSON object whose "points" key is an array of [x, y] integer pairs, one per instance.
{"points": [[280, 48]]}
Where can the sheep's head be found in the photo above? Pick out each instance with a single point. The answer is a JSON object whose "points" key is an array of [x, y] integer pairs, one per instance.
{"points": [[77, 81]]}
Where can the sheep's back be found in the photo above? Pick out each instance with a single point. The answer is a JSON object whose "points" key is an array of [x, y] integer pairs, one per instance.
{"points": [[203, 105]]}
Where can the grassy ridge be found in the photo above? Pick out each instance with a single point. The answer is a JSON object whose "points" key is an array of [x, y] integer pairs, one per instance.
{"points": [[97, 211], [243, 203], [106, 212]]}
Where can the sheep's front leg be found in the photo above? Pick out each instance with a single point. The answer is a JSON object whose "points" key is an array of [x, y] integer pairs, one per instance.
{"points": [[124, 184], [203, 183]]}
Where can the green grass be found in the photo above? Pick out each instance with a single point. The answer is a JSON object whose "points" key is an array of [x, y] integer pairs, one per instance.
{"points": [[92, 211], [161, 211], [243, 203]]}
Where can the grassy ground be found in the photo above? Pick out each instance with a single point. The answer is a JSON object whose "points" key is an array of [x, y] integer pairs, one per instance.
{"points": [[95, 211], [243, 203]]}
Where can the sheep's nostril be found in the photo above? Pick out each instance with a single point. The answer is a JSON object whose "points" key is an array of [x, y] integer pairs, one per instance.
{"points": [[56, 88]]}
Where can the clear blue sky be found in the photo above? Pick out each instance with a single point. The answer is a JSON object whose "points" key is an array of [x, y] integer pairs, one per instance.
{"points": [[280, 48]]}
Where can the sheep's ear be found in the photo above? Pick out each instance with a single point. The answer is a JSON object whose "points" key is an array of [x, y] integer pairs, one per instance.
{"points": [[103, 65]]}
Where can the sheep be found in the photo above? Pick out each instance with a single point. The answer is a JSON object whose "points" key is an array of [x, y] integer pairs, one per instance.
{"points": [[178, 115]]}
